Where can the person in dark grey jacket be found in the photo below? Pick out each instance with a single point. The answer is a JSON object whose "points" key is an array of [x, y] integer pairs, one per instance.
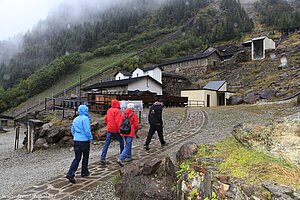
{"points": [[156, 124]]}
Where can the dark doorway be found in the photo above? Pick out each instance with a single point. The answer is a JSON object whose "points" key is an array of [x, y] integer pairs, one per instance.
{"points": [[208, 100], [258, 49], [221, 99]]}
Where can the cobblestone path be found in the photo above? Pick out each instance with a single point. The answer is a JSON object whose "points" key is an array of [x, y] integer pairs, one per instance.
{"points": [[60, 188]]}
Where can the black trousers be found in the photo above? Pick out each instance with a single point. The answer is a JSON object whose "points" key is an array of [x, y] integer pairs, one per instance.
{"points": [[151, 132], [81, 149]]}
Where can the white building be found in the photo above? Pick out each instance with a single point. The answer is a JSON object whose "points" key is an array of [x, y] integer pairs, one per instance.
{"points": [[126, 86], [259, 46], [213, 94], [122, 75], [154, 71]]}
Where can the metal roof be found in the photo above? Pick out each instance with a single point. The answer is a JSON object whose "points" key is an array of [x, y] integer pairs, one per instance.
{"points": [[214, 85], [125, 73]]}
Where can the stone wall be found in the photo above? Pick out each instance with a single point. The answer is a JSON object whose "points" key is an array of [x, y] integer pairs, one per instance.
{"points": [[173, 86], [194, 68]]}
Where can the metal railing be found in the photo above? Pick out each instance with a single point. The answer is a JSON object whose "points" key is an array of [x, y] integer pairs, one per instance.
{"points": [[196, 103]]}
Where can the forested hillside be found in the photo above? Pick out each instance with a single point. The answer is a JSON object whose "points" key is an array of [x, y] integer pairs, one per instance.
{"points": [[278, 13], [126, 27]]}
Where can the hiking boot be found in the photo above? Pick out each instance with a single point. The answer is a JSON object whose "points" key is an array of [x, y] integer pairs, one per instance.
{"points": [[84, 175], [71, 179], [103, 162], [127, 160], [147, 147], [120, 163], [165, 144]]}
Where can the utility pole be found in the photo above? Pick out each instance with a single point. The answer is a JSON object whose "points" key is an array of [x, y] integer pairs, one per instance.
{"points": [[80, 88]]}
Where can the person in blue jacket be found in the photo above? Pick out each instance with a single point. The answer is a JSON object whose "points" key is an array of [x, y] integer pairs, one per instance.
{"points": [[82, 136]]}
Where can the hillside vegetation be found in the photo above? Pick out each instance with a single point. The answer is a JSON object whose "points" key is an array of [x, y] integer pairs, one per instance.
{"points": [[140, 26]]}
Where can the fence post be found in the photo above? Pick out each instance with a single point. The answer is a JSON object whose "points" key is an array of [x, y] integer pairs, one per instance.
{"points": [[17, 138], [45, 104]]}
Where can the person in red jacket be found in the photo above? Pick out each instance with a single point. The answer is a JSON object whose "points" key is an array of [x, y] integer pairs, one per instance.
{"points": [[112, 120], [126, 154]]}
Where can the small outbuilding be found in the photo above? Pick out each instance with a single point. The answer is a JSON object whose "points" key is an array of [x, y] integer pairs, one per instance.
{"points": [[259, 46], [7, 121], [213, 94]]}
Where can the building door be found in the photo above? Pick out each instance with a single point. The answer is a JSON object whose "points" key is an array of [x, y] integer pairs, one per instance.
{"points": [[208, 100], [221, 99]]}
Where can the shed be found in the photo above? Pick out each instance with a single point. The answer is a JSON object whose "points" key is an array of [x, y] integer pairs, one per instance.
{"points": [[7, 121], [259, 46], [214, 93]]}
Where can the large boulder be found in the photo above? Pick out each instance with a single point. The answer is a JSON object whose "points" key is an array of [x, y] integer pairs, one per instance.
{"points": [[235, 100], [281, 138], [40, 143], [251, 98], [281, 192], [66, 141], [45, 129], [186, 151], [268, 93], [55, 135], [154, 180]]}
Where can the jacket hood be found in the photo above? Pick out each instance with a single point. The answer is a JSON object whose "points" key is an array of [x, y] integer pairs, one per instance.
{"points": [[115, 103], [128, 112], [83, 110]]}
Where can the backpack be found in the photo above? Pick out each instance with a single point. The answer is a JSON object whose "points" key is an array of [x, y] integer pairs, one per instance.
{"points": [[126, 125]]}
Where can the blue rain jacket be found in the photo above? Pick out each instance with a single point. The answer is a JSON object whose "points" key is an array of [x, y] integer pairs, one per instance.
{"points": [[81, 126]]}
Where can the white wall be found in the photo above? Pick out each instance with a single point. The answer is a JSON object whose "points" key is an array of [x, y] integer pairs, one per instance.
{"points": [[269, 43], [120, 76], [194, 96], [137, 73], [146, 84], [155, 73], [224, 87], [213, 98]]}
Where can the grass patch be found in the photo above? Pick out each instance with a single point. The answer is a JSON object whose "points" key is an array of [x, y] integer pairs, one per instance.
{"points": [[116, 179], [254, 166], [86, 70]]}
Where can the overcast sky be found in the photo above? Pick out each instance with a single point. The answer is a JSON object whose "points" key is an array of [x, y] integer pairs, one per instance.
{"points": [[20, 15]]}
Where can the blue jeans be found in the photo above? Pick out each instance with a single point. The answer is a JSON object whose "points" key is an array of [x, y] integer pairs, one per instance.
{"points": [[127, 152], [107, 143], [81, 148]]}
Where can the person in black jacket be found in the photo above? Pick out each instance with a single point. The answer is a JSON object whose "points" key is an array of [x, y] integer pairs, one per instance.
{"points": [[156, 124]]}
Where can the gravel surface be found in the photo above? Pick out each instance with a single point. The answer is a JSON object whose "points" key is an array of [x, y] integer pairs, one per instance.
{"points": [[21, 170]]}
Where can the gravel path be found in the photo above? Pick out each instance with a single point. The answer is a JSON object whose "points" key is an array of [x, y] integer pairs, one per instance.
{"points": [[220, 123], [21, 170]]}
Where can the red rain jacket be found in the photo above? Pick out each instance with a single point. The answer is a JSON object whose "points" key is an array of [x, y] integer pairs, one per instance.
{"points": [[134, 121], [112, 117]]}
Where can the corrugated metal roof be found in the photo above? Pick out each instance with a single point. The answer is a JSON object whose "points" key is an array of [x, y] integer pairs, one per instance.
{"points": [[214, 85]]}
